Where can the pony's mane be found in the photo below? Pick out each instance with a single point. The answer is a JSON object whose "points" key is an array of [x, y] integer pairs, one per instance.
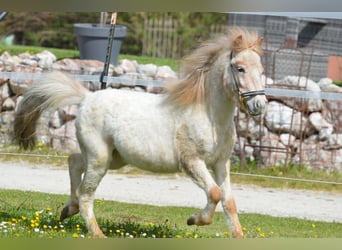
{"points": [[195, 67]]}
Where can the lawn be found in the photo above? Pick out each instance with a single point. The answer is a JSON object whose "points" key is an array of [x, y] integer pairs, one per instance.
{"points": [[35, 215], [66, 53]]}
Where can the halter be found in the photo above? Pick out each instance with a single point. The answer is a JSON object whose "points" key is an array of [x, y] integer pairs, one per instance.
{"points": [[245, 95]]}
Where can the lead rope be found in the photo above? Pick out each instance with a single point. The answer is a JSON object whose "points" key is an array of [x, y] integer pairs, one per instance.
{"points": [[109, 50]]}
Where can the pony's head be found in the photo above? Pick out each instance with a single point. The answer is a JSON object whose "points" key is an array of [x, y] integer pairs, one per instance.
{"points": [[237, 55], [246, 70]]}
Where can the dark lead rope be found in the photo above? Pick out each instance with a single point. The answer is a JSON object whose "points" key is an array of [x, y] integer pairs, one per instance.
{"points": [[109, 51]]}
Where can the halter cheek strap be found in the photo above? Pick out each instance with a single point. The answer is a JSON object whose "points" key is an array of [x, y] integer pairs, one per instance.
{"points": [[245, 95]]}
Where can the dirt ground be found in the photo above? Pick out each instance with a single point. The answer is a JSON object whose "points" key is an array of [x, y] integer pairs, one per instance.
{"points": [[166, 190]]}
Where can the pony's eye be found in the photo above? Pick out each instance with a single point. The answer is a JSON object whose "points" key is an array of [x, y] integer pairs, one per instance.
{"points": [[241, 70]]}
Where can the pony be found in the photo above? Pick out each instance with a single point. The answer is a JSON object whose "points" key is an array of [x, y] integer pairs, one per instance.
{"points": [[190, 127]]}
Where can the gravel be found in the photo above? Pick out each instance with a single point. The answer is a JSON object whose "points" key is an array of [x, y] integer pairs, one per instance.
{"points": [[173, 190]]}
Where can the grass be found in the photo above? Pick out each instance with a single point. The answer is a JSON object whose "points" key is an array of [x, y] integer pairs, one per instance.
{"points": [[35, 215], [67, 53]]}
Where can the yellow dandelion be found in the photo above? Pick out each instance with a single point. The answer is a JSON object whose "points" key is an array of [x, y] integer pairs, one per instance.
{"points": [[313, 225], [75, 235], [258, 229], [244, 229], [262, 235]]}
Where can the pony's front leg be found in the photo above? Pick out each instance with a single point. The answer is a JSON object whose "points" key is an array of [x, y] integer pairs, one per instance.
{"points": [[222, 173], [196, 168], [76, 168], [199, 173]]}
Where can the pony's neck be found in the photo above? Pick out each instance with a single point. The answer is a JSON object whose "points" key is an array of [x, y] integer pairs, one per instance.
{"points": [[220, 104]]}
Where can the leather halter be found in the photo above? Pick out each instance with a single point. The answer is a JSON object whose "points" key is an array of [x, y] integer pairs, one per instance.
{"points": [[245, 95]]}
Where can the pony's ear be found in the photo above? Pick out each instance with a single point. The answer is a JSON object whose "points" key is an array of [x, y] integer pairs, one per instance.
{"points": [[260, 41], [237, 42]]}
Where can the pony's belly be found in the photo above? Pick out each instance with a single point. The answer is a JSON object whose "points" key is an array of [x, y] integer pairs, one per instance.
{"points": [[156, 163]]}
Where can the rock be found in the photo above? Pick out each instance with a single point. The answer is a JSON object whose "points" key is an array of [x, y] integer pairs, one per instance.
{"points": [[165, 72], [8, 105], [149, 70], [67, 65], [332, 113], [4, 91], [272, 152], [288, 140], [315, 157], [278, 119], [327, 85], [334, 141], [323, 127], [64, 138], [55, 120], [301, 83], [45, 59], [128, 66]]}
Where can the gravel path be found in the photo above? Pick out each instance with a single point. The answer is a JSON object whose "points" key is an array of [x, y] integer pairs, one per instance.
{"points": [[177, 191]]}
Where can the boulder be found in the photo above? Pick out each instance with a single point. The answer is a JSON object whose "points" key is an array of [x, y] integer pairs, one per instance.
{"points": [[323, 127], [280, 118], [300, 83]]}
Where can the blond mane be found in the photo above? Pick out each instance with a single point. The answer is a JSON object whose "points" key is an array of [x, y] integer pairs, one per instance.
{"points": [[195, 67]]}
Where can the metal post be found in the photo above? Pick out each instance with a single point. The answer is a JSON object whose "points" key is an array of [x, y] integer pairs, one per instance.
{"points": [[109, 50]]}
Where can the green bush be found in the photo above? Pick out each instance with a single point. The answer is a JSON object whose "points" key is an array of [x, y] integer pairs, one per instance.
{"points": [[55, 29]]}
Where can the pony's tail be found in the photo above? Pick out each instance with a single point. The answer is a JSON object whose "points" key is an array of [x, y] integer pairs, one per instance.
{"points": [[52, 91]]}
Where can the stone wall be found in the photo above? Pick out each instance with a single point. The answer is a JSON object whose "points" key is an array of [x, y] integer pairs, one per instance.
{"points": [[304, 131]]}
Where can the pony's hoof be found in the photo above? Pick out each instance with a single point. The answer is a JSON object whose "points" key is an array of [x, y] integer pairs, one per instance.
{"points": [[64, 213], [238, 234], [67, 212], [199, 220], [191, 221]]}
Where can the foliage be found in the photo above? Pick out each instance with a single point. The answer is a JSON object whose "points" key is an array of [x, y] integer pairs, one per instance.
{"points": [[338, 83], [47, 29], [55, 29]]}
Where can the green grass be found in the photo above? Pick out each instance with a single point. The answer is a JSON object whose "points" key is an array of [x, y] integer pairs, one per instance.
{"points": [[283, 175], [66, 53], [35, 215]]}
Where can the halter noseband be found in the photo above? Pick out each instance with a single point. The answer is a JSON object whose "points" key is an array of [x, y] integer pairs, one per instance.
{"points": [[243, 96]]}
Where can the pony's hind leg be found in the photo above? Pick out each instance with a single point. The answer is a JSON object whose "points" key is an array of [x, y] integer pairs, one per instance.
{"points": [[76, 168], [97, 158], [222, 173]]}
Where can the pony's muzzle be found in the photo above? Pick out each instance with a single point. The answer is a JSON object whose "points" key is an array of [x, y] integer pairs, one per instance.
{"points": [[255, 105]]}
